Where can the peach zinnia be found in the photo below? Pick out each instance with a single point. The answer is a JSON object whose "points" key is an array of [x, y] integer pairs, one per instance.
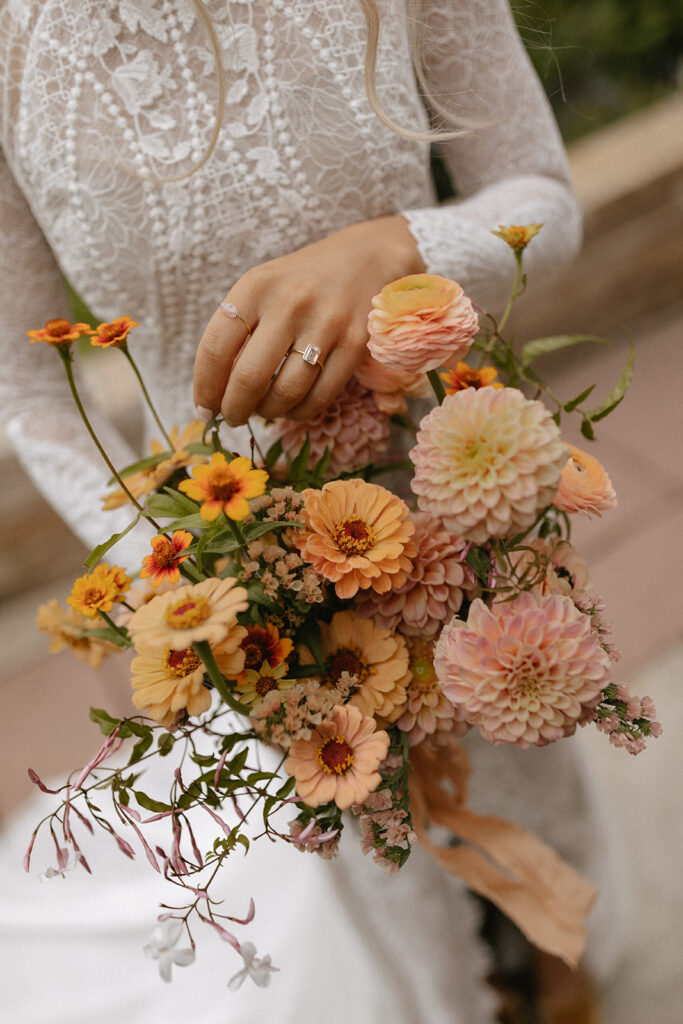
{"points": [[58, 332], [113, 334], [525, 671], [186, 615], [487, 462], [420, 322], [168, 682], [358, 535], [164, 562], [224, 486], [376, 658], [340, 760], [584, 485], [98, 590]]}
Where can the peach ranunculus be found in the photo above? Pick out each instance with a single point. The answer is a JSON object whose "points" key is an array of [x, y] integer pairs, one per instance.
{"points": [[112, 335], [584, 485], [420, 322], [340, 760], [58, 332], [525, 671], [390, 386], [357, 535]]}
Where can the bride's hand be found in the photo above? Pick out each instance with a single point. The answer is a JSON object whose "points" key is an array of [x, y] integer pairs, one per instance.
{"points": [[321, 296]]}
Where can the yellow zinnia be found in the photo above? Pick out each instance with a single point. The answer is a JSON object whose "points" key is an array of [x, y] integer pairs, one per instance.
{"points": [[98, 590]]}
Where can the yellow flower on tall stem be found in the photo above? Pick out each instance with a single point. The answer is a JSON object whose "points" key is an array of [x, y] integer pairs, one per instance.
{"points": [[98, 590], [59, 332], [112, 335], [517, 236], [224, 486], [164, 562]]}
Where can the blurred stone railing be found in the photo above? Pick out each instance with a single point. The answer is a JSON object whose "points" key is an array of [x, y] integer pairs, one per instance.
{"points": [[629, 181]]}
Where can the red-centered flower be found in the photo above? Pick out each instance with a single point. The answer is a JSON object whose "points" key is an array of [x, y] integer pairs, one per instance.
{"points": [[264, 643], [113, 334], [162, 565], [224, 486], [463, 376], [59, 332]]}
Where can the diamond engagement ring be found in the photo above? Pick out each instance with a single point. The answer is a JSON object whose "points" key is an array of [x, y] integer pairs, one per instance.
{"points": [[231, 311], [310, 355]]}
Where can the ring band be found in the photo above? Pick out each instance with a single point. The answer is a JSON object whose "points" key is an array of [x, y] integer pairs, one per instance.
{"points": [[310, 355], [231, 311]]}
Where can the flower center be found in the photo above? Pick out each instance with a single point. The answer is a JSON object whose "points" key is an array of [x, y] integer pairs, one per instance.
{"points": [[181, 663], [265, 684], [256, 647], [335, 756], [58, 328], [346, 659], [223, 484], [353, 535], [92, 596], [188, 613], [165, 555], [424, 676]]}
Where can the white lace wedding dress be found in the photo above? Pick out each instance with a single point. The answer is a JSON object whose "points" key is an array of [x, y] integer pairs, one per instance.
{"points": [[102, 100]]}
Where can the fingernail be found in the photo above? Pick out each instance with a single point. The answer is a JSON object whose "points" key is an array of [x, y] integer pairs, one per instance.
{"points": [[205, 414]]}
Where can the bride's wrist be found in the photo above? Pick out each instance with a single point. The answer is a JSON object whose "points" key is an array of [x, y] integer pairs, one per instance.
{"points": [[390, 244]]}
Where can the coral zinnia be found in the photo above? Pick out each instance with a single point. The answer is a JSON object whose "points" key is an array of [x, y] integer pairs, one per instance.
{"points": [[113, 334], [340, 760], [351, 426], [58, 332], [377, 660], [486, 462], [163, 564], [98, 590], [224, 486], [524, 671], [584, 485], [420, 322], [435, 587], [186, 615], [357, 535], [464, 376]]}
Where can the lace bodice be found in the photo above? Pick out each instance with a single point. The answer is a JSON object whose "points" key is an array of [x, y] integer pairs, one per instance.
{"points": [[103, 101]]}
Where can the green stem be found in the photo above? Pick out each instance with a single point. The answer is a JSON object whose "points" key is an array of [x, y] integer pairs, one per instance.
{"points": [[513, 293], [203, 649], [437, 385], [237, 533], [117, 629], [145, 393]]}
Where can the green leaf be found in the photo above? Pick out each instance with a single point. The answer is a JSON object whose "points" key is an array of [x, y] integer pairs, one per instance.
{"points": [[165, 743], [273, 453], [140, 748], [309, 635], [255, 777], [322, 464], [205, 760], [137, 728], [543, 346], [297, 470], [238, 762], [587, 429], [570, 406], [284, 791], [97, 552], [156, 806], [253, 530], [617, 393], [169, 506], [106, 633], [105, 721], [208, 535], [191, 522], [140, 465]]}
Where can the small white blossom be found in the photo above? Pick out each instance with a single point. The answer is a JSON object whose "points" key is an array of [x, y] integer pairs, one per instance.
{"points": [[67, 865], [257, 968], [160, 947]]}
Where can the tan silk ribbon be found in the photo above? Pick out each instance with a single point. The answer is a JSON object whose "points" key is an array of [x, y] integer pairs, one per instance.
{"points": [[546, 898]]}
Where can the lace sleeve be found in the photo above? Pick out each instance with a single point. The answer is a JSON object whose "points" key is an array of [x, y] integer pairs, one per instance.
{"points": [[39, 415], [512, 170]]}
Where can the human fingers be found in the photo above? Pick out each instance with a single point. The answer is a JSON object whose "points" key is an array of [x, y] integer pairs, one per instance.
{"points": [[340, 365], [226, 333], [252, 373], [305, 361]]}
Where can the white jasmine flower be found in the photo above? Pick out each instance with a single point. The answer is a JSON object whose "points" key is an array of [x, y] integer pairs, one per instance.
{"points": [[160, 947], [257, 968], [65, 863]]}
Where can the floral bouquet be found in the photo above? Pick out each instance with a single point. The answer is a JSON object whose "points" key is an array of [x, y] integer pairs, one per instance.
{"points": [[309, 645]]}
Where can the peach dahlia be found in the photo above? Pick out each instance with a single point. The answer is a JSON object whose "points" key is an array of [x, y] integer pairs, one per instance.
{"points": [[357, 535], [486, 462]]}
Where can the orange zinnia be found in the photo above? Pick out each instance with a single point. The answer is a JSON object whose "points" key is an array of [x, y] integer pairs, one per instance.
{"points": [[357, 535], [113, 334], [162, 565], [59, 332], [264, 643], [224, 486], [463, 376], [98, 590]]}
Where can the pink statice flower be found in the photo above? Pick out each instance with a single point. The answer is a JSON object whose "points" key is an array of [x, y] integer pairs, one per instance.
{"points": [[420, 322], [352, 427], [390, 386], [312, 839], [523, 671], [435, 588], [486, 462]]}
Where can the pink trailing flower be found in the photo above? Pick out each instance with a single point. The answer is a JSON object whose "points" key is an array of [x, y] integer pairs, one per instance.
{"points": [[434, 590], [486, 462], [352, 427], [584, 485], [420, 322], [390, 386], [524, 671]]}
